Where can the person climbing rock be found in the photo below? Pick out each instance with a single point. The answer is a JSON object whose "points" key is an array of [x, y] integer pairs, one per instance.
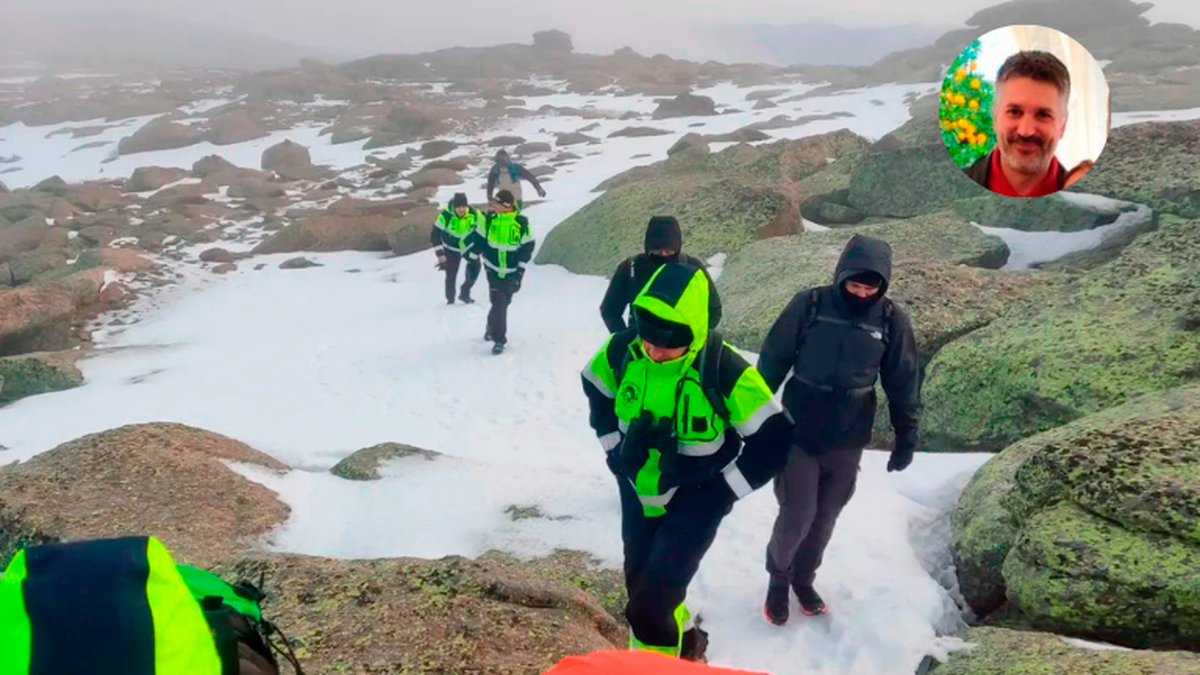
{"points": [[449, 237], [663, 244], [836, 341], [505, 244], [507, 175], [689, 427], [124, 607]]}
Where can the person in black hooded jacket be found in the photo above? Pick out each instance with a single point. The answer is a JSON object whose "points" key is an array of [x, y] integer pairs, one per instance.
{"points": [[836, 341], [663, 244]]}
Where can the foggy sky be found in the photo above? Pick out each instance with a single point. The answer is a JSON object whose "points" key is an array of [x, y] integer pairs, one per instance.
{"points": [[690, 29]]}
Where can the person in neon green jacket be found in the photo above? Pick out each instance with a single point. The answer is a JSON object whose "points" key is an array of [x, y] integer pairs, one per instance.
{"points": [[451, 231], [124, 607], [689, 427], [505, 244]]}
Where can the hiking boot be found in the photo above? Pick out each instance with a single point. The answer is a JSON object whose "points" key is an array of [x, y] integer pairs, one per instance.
{"points": [[487, 335], [695, 645], [775, 609], [498, 348], [810, 601], [465, 298], [449, 301]]}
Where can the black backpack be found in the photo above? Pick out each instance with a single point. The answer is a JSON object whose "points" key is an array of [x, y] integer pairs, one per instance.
{"points": [[811, 313]]}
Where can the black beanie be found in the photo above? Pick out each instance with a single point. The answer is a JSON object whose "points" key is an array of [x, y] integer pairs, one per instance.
{"points": [[459, 199], [663, 232], [868, 278], [505, 197], [660, 332]]}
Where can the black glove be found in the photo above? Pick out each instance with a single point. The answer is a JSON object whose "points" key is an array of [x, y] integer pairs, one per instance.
{"points": [[903, 450], [516, 286]]}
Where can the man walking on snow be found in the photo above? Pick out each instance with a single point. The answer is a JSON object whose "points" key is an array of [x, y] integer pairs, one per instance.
{"points": [[663, 244], [836, 340], [507, 175], [505, 244], [449, 237], [689, 427]]}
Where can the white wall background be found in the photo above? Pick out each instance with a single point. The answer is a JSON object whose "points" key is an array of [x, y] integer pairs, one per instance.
{"points": [[1088, 111]]}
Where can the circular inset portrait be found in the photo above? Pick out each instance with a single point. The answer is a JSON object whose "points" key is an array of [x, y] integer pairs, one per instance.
{"points": [[1024, 111]]}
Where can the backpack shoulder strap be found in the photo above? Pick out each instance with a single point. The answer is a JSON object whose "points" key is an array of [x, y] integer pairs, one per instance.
{"points": [[889, 309], [710, 373], [810, 317]]}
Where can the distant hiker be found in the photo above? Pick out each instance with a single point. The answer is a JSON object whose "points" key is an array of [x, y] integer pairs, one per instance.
{"points": [[614, 662], [449, 237], [505, 243], [1029, 120], [663, 244], [837, 341], [689, 427], [124, 606], [507, 175]]}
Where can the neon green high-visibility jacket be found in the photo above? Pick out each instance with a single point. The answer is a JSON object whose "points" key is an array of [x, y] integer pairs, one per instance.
{"points": [[450, 231], [731, 427], [104, 607]]}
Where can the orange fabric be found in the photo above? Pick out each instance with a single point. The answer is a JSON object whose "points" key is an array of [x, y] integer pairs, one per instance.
{"points": [[635, 663]]}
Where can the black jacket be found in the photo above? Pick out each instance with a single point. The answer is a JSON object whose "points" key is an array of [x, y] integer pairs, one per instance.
{"points": [[631, 277], [981, 169], [837, 356]]}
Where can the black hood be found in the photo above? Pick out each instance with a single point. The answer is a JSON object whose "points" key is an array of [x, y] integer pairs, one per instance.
{"points": [[663, 232], [865, 254]]}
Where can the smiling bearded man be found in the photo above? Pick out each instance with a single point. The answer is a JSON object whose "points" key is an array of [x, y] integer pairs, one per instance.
{"points": [[1030, 118]]}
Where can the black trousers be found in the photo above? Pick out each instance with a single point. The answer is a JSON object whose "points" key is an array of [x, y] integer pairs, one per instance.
{"points": [[811, 491], [500, 292], [453, 259], [663, 554]]}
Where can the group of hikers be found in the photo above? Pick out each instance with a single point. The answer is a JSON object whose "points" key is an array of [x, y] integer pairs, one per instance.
{"points": [[689, 427], [500, 239]]}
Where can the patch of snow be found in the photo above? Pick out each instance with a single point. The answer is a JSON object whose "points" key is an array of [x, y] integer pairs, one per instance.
{"points": [[1125, 118], [110, 277], [1030, 248], [716, 265], [810, 226], [123, 241], [202, 106], [1095, 646]]}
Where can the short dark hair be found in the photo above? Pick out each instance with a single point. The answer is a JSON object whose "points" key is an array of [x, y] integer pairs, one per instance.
{"points": [[1037, 65]]}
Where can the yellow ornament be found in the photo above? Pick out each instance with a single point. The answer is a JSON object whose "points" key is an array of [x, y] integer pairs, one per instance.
{"points": [[962, 136], [973, 104], [959, 99], [973, 66], [983, 139], [962, 73], [975, 83]]}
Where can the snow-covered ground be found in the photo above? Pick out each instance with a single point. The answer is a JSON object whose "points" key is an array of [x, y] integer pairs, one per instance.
{"points": [[311, 365]]}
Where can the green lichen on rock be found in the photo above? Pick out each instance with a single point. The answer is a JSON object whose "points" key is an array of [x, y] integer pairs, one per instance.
{"points": [[908, 182], [33, 374], [1093, 528], [1152, 163], [1112, 334], [1075, 572], [723, 202], [998, 650], [1051, 213], [365, 464]]}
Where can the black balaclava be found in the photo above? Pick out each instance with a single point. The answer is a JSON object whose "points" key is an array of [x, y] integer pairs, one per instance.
{"points": [[663, 233]]}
